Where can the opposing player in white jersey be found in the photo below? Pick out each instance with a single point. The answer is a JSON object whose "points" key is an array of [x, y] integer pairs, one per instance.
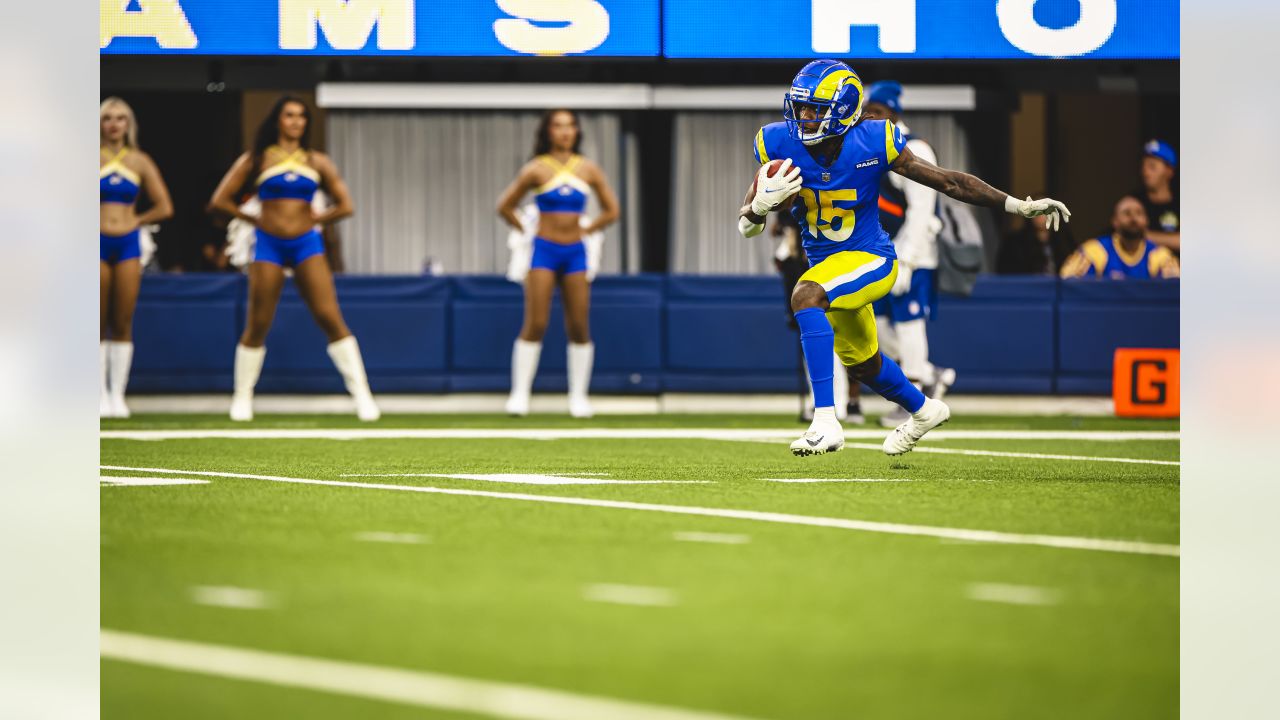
{"points": [[909, 213]]}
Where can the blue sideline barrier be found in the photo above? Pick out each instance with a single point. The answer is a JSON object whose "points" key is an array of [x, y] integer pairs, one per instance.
{"points": [[653, 333]]}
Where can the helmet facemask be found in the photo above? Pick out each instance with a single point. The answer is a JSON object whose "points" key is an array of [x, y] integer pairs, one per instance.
{"points": [[832, 118]]}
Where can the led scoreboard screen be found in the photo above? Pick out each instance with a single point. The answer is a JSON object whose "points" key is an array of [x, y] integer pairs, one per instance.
{"points": [[993, 29], [929, 29], [619, 28]]}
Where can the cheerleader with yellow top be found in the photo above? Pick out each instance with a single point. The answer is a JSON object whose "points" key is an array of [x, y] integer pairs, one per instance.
{"points": [[288, 173], [124, 171], [832, 162], [561, 181]]}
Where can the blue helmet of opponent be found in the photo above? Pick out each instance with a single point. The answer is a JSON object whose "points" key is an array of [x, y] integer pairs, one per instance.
{"points": [[833, 90]]}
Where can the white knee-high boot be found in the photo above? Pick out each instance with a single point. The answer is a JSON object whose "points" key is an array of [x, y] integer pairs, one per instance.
{"points": [[524, 366], [345, 354], [104, 399], [581, 358], [248, 368], [119, 361]]}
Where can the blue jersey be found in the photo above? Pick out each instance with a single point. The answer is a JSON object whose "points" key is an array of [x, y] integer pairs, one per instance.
{"points": [[1102, 257], [837, 206]]}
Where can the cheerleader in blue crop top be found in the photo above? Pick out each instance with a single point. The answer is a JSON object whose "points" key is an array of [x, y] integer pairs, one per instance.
{"points": [[124, 172], [287, 173], [561, 181]]}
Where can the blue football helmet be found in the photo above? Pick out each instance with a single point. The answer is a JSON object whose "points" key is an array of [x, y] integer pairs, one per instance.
{"points": [[834, 92]]}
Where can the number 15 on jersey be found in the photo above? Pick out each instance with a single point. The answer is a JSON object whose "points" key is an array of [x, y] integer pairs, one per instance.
{"points": [[825, 218]]}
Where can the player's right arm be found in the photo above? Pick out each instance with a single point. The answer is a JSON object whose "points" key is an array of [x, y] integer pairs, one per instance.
{"points": [[767, 193], [973, 190]]}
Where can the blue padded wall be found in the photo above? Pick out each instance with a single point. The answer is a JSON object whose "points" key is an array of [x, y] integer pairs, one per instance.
{"points": [[1097, 316], [729, 334], [1001, 339], [185, 332], [400, 323], [653, 333]]}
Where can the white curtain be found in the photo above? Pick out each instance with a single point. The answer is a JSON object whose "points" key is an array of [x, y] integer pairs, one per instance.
{"points": [[714, 165], [426, 185]]}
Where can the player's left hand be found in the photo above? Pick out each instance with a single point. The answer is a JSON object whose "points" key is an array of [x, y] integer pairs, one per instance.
{"points": [[1057, 212], [902, 283]]}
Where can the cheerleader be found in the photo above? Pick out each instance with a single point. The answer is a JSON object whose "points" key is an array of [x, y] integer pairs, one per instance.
{"points": [[123, 171], [561, 181], [287, 174]]}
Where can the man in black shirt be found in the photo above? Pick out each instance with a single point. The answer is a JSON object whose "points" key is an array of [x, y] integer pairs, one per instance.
{"points": [[1159, 163]]}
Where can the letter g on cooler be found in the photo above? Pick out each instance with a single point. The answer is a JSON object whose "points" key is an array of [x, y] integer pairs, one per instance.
{"points": [[1145, 382]]}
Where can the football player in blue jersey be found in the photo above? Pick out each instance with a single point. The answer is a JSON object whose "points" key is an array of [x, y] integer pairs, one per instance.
{"points": [[829, 180]]}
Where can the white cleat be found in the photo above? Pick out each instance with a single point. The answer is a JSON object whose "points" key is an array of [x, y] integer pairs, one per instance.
{"points": [[118, 407], [104, 406], [241, 408], [819, 439], [518, 405], [580, 408], [903, 439], [366, 409]]}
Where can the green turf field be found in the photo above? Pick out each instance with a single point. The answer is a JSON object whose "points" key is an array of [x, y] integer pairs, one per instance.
{"points": [[1028, 570]]}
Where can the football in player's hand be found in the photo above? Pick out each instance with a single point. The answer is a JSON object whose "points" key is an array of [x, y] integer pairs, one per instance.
{"points": [[771, 169]]}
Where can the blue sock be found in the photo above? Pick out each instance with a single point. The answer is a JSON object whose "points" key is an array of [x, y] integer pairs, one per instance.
{"points": [[819, 344], [893, 386]]}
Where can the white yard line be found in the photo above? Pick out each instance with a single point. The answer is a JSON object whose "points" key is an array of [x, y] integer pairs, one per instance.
{"points": [[739, 435], [1012, 594], [710, 537], [1030, 456], [990, 536], [630, 595], [387, 684], [391, 537], [119, 481], [533, 478], [764, 434], [836, 480], [231, 597]]}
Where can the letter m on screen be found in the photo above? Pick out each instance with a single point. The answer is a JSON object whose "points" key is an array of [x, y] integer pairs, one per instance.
{"points": [[346, 24]]}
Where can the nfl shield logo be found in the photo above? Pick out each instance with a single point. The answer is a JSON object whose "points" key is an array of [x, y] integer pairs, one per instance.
{"points": [[826, 177]]}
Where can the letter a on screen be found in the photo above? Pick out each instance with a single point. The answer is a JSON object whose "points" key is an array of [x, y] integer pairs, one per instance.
{"points": [[162, 20]]}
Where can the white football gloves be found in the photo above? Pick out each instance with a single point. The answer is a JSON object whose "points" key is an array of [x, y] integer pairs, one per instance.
{"points": [[771, 191], [1057, 212]]}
